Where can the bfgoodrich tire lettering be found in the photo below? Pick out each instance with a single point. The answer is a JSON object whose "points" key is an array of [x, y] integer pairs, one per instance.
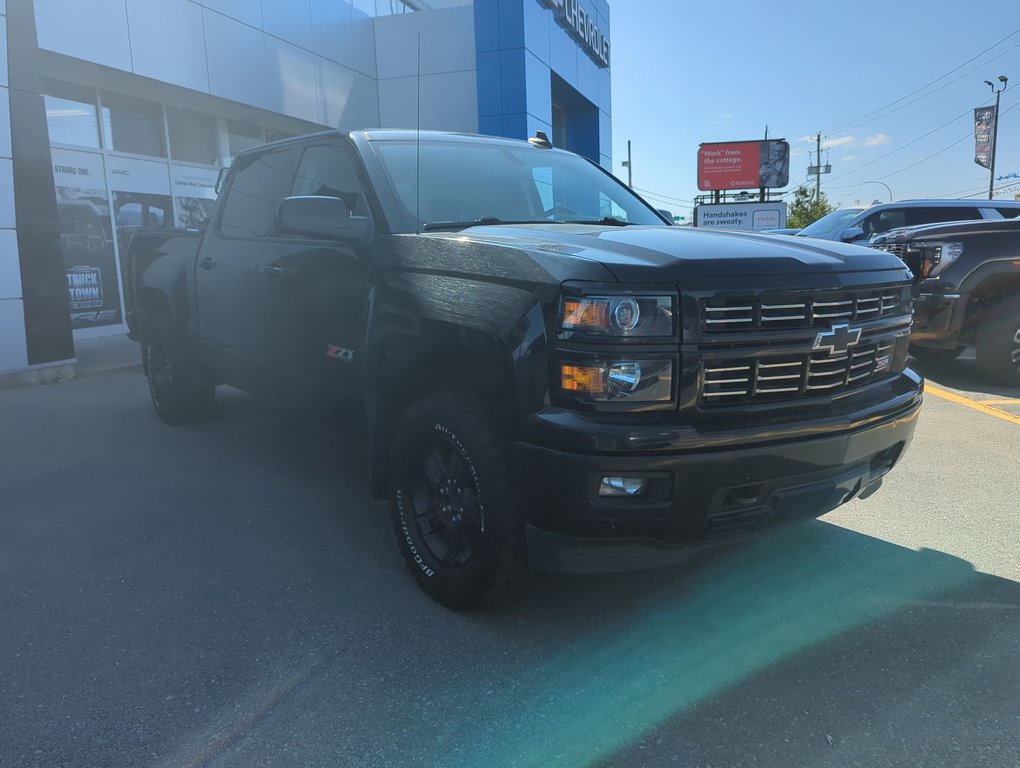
{"points": [[454, 514]]}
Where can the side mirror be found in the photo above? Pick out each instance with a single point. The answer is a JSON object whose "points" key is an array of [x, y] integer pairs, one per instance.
{"points": [[667, 215], [851, 234], [322, 217]]}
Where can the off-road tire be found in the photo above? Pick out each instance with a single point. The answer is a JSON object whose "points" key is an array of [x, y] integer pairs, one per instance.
{"points": [[998, 343], [181, 392], [450, 443]]}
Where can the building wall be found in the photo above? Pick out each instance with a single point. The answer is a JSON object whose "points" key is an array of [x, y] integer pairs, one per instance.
{"points": [[13, 354], [312, 59], [520, 45]]}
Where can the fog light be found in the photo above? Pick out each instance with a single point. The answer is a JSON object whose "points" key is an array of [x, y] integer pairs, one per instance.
{"points": [[623, 486]]}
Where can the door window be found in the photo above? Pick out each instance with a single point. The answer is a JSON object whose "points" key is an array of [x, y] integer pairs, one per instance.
{"points": [[259, 183], [883, 221], [936, 215], [330, 170]]}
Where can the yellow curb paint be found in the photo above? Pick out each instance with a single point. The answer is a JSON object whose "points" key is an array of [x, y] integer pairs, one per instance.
{"points": [[1011, 401], [972, 404]]}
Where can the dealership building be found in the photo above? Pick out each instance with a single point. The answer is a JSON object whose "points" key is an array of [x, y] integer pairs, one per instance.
{"points": [[116, 116]]}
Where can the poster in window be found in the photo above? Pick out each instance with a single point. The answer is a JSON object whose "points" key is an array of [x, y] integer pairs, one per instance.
{"points": [[194, 195], [86, 239]]}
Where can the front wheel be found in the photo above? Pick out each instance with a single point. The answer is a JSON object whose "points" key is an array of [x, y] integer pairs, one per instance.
{"points": [[454, 514], [998, 343], [181, 392]]}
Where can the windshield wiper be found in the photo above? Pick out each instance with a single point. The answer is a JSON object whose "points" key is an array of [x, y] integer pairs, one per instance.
{"points": [[606, 221], [435, 226]]}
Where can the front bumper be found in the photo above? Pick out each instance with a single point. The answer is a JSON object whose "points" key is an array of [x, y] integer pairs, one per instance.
{"points": [[938, 320], [698, 498]]}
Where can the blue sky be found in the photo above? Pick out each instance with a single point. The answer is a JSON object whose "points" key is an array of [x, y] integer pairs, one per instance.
{"points": [[690, 72]]}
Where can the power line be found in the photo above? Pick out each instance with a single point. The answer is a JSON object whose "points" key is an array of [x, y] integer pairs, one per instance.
{"points": [[923, 159], [661, 196], [930, 93], [842, 125]]}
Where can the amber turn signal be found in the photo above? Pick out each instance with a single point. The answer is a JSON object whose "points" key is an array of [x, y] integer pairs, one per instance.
{"points": [[591, 314], [583, 379]]}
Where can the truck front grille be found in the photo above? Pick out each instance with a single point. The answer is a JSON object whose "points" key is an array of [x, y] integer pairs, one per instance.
{"points": [[900, 249], [786, 377], [797, 311]]}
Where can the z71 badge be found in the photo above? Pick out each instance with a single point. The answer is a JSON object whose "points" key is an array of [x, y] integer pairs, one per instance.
{"points": [[339, 353]]}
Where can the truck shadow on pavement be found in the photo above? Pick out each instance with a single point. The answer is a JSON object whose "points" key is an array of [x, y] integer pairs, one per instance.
{"points": [[812, 644]]}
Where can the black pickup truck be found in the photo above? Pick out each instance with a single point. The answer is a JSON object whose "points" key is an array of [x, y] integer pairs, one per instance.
{"points": [[967, 289], [550, 375]]}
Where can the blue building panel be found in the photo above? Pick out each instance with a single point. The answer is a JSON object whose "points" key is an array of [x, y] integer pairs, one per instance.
{"points": [[538, 23], [539, 80], [511, 23], [520, 46], [490, 84], [514, 81], [486, 26], [516, 126], [563, 55], [491, 125]]}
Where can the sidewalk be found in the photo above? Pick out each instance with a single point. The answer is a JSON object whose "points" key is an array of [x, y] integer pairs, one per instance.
{"points": [[108, 354]]}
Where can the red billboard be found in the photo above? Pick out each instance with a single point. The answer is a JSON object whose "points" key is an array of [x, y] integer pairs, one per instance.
{"points": [[744, 165]]}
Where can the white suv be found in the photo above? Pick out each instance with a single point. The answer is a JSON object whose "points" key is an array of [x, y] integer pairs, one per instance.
{"points": [[858, 225]]}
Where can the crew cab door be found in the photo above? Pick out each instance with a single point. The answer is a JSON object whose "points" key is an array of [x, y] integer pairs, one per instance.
{"points": [[314, 297], [233, 259]]}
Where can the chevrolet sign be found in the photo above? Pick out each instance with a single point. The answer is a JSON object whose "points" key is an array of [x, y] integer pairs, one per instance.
{"points": [[572, 16]]}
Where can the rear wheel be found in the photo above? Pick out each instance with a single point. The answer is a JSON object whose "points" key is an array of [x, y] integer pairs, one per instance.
{"points": [[998, 343], [933, 355], [181, 392], [454, 513]]}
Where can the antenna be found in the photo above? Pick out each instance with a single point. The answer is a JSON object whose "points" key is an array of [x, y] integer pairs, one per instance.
{"points": [[417, 148]]}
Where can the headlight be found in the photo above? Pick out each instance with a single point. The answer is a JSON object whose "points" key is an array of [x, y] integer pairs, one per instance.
{"points": [[628, 316], [935, 257], [632, 381]]}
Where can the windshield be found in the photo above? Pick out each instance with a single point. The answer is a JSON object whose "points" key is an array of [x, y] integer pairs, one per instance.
{"points": [[830, 223], [463, 182]]}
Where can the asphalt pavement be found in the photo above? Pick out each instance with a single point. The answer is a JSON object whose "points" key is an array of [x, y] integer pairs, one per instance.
{"points": [[228, 594]]}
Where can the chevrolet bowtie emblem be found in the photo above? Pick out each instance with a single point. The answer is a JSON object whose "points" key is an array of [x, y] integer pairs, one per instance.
{"points": [[838, 340]]}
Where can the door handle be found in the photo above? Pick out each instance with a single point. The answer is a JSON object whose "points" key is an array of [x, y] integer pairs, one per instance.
{"points": [[207, 263], [272, 271]]}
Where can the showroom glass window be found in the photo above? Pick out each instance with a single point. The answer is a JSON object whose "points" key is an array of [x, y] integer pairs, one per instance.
{"points": [[71, 115], [242, 136], [259, 184], [133, 125], [193, 137]]}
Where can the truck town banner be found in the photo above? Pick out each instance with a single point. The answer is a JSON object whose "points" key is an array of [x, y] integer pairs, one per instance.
{"points": [[582, 25]]}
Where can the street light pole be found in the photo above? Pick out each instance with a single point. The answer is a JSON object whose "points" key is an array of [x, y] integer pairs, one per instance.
{"points": [[627, 165], [883, 184], [995, 131]]}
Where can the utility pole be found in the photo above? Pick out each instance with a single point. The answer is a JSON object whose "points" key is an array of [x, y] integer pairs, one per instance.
{"points": [[995, 133], [627, 165], [818, 164]]}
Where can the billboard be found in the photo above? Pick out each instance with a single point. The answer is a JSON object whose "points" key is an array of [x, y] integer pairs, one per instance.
{"points": [[744, 165], [748, 217]]}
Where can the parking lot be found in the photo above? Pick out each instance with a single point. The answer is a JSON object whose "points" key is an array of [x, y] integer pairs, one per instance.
{"points": [[228, 594]]}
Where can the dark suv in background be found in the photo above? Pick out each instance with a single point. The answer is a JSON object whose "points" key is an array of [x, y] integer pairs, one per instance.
{"points": [[859, 225], [967, 291]]}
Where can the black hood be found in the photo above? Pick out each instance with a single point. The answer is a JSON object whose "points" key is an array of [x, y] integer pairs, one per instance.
{"points": [[639, 254]]}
